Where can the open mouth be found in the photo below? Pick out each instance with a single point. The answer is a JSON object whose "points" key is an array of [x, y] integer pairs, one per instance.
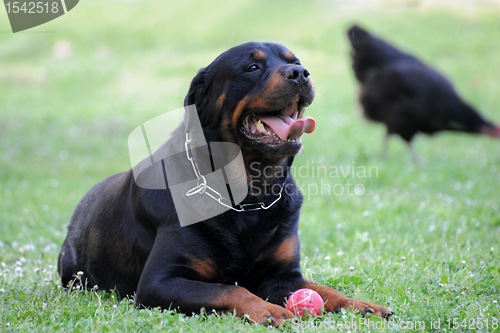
{"points": [[282, 126]]}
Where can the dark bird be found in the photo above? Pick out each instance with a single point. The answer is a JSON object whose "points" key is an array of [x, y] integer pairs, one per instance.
{"points": [[406, 95]]}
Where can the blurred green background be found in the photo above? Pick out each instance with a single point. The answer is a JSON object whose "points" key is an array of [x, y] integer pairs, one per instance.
{"points": [[72, 90]]}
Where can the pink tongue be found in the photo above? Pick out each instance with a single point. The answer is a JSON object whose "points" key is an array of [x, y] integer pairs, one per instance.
{"points": [[286, 128]]}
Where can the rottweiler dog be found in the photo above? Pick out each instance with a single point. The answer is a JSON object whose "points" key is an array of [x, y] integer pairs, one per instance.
{"points": [[243, 261]]}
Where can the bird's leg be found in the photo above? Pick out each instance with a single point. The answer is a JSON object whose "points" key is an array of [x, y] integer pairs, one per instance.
{"points": [[385, 144], [414, 155]]}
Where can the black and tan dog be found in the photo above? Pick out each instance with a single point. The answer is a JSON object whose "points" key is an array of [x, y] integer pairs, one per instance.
{"points": [[129, 239]]}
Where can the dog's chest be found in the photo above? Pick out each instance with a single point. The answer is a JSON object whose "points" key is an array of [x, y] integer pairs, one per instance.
{"points": [[238, 250]]}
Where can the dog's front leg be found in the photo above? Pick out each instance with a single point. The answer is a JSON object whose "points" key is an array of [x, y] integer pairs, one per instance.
{"points": [[190, 296], [334, 300]]}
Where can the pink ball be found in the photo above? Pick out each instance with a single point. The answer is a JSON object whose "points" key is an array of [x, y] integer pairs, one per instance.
{"points": [[305, 303]]}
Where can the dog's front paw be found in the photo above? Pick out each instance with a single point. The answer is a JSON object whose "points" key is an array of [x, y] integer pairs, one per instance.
{"points": [[268, 314], [365, 308], [334, 301]]}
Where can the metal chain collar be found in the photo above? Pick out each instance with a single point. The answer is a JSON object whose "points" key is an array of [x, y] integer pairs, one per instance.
{"points": [[203, 188]]}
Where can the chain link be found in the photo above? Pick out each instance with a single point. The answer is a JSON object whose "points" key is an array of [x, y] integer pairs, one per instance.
{"points": [[203, 188]]}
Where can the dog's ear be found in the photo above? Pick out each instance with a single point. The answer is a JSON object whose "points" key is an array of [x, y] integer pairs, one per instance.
{"points": [[195, 94], [197, 88]]}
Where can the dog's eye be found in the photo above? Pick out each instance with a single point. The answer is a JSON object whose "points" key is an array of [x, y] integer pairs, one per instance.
{"points": [[253, 68]]}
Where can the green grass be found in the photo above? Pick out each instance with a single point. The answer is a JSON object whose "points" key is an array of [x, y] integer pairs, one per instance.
{"points": [[423, 240]]}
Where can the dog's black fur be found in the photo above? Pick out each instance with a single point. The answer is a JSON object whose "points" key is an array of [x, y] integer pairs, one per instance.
{"points": [[128, 238]]}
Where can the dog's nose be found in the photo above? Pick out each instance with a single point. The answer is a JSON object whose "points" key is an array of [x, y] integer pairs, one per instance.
{"points": [[297, 74]]}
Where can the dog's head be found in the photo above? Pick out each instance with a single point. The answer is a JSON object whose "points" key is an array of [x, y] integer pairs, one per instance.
{"points": [[254, 95]]}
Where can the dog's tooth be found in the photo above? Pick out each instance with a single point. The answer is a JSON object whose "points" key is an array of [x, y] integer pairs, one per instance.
{"points": [[260, 126], [252, 128]]}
